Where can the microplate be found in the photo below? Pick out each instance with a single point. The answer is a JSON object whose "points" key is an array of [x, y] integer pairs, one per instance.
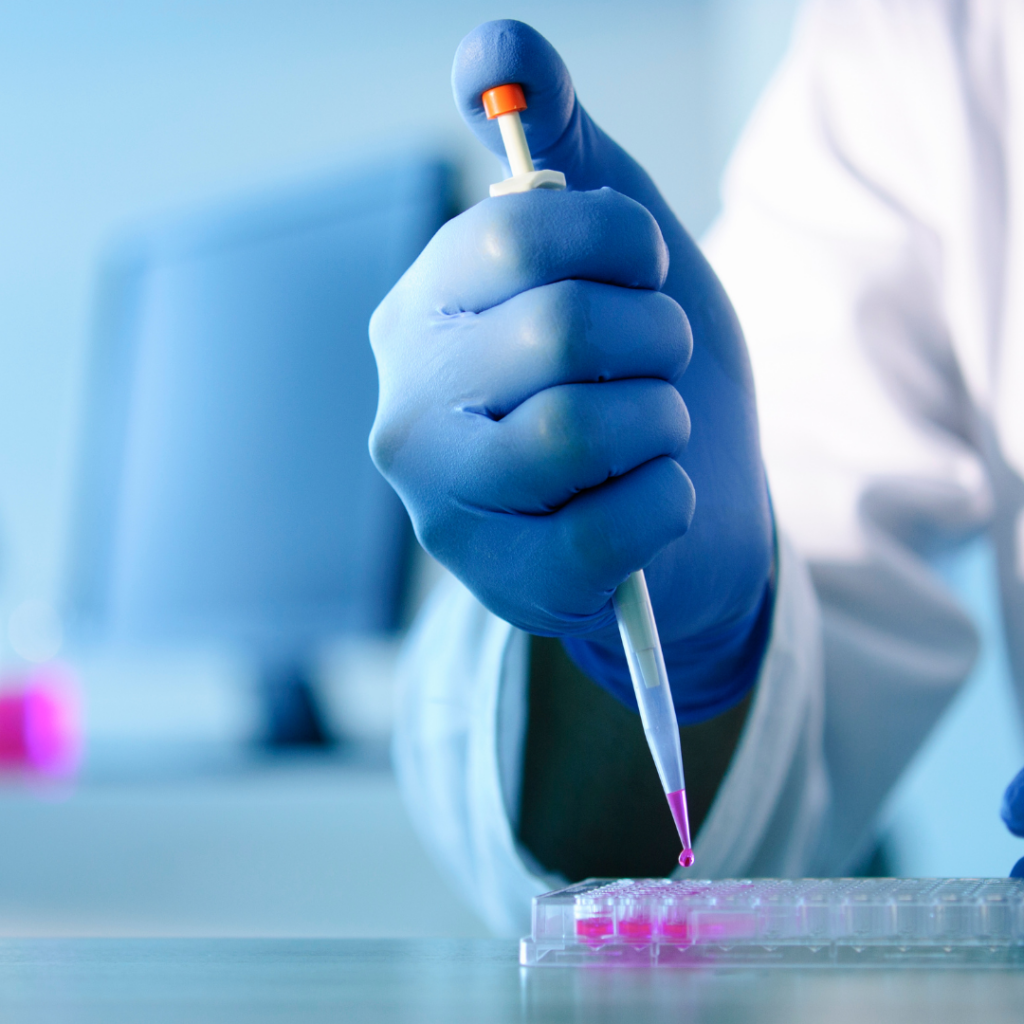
{"points": [[870, 922]]}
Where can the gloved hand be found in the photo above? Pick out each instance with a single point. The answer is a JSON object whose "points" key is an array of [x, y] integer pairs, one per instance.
{"points": [[1012, 813], [534, 415]]}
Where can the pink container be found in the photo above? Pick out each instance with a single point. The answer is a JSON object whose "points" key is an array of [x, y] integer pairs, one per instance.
{"points": [[40, 722]]}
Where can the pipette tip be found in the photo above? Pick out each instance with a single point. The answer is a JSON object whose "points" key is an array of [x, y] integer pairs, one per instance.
{"points": [[677, 805]]}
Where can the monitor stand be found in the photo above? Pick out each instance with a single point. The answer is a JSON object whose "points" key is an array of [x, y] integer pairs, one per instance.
{"points": [[291, 713]]}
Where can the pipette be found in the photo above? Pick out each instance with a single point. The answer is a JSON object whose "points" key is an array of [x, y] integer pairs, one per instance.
{"points": [[632, 602]]}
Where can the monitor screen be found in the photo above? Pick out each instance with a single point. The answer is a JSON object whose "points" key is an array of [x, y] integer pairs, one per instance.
{"points": [[226, 491]]}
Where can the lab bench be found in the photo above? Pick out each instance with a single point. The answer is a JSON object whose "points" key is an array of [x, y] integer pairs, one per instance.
{"points": [[117, 981]]}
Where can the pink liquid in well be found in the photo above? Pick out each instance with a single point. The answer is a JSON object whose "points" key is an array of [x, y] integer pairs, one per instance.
{"points": [[594, 929], [676, 928], [636, 928], [677, 805]]}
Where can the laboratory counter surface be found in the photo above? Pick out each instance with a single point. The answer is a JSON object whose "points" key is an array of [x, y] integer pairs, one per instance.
{"points": [[454, 980]]}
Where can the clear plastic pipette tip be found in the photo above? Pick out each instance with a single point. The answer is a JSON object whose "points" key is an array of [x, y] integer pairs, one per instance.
{"points": [[677, 805], [640, 641]]}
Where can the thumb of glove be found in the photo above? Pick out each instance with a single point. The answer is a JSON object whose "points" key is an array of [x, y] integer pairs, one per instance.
{"points": [[560, 133], [562, 137]]}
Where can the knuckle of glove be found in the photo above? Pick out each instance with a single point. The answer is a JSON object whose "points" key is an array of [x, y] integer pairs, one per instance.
{"points": [[565, 429], [541, 237], [562, 326], [507, 240], [679, 330]]}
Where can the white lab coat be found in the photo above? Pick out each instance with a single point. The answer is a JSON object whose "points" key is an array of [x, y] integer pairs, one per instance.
{"points": [[871, 239]]}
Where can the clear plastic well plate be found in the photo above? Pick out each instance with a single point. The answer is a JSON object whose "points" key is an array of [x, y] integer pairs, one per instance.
{"points": [[891, 922]]}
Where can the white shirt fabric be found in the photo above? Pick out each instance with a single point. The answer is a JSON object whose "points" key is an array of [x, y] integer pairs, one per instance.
{"points": [[871, 236]]}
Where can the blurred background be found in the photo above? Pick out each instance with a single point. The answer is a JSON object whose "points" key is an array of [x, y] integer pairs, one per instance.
{"points": [[175, 178]]}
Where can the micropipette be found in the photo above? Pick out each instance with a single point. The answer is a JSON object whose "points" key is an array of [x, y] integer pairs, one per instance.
{"points": [[632, 602]]}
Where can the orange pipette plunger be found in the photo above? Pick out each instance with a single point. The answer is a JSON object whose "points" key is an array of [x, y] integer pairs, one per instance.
{"points": [[504, 99], [503, 103]]}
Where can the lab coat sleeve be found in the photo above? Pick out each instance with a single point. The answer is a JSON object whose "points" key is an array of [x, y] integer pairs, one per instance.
{"points": [[458, 750]]}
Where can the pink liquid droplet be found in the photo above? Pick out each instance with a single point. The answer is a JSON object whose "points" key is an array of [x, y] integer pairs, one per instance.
{"points": [[677, 805]]}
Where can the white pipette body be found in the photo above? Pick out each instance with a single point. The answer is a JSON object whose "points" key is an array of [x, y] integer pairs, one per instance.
{"points": [[632, 601]]}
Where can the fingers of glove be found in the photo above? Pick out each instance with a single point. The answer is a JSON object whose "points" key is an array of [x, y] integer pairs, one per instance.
{"points": [[555, 575], [505, 246], [606, 533], [567, 333], [1012, 810], [569, 439]]}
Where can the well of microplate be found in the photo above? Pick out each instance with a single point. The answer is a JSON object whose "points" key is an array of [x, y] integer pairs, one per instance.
{"points": [[870, 922]]}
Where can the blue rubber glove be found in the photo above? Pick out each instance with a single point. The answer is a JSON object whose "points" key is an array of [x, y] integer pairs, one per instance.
{"points": [[536, 402], [1012, 813]]}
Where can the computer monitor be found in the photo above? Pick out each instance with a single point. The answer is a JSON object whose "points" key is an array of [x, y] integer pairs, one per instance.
{"points": [[226, 491]]}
